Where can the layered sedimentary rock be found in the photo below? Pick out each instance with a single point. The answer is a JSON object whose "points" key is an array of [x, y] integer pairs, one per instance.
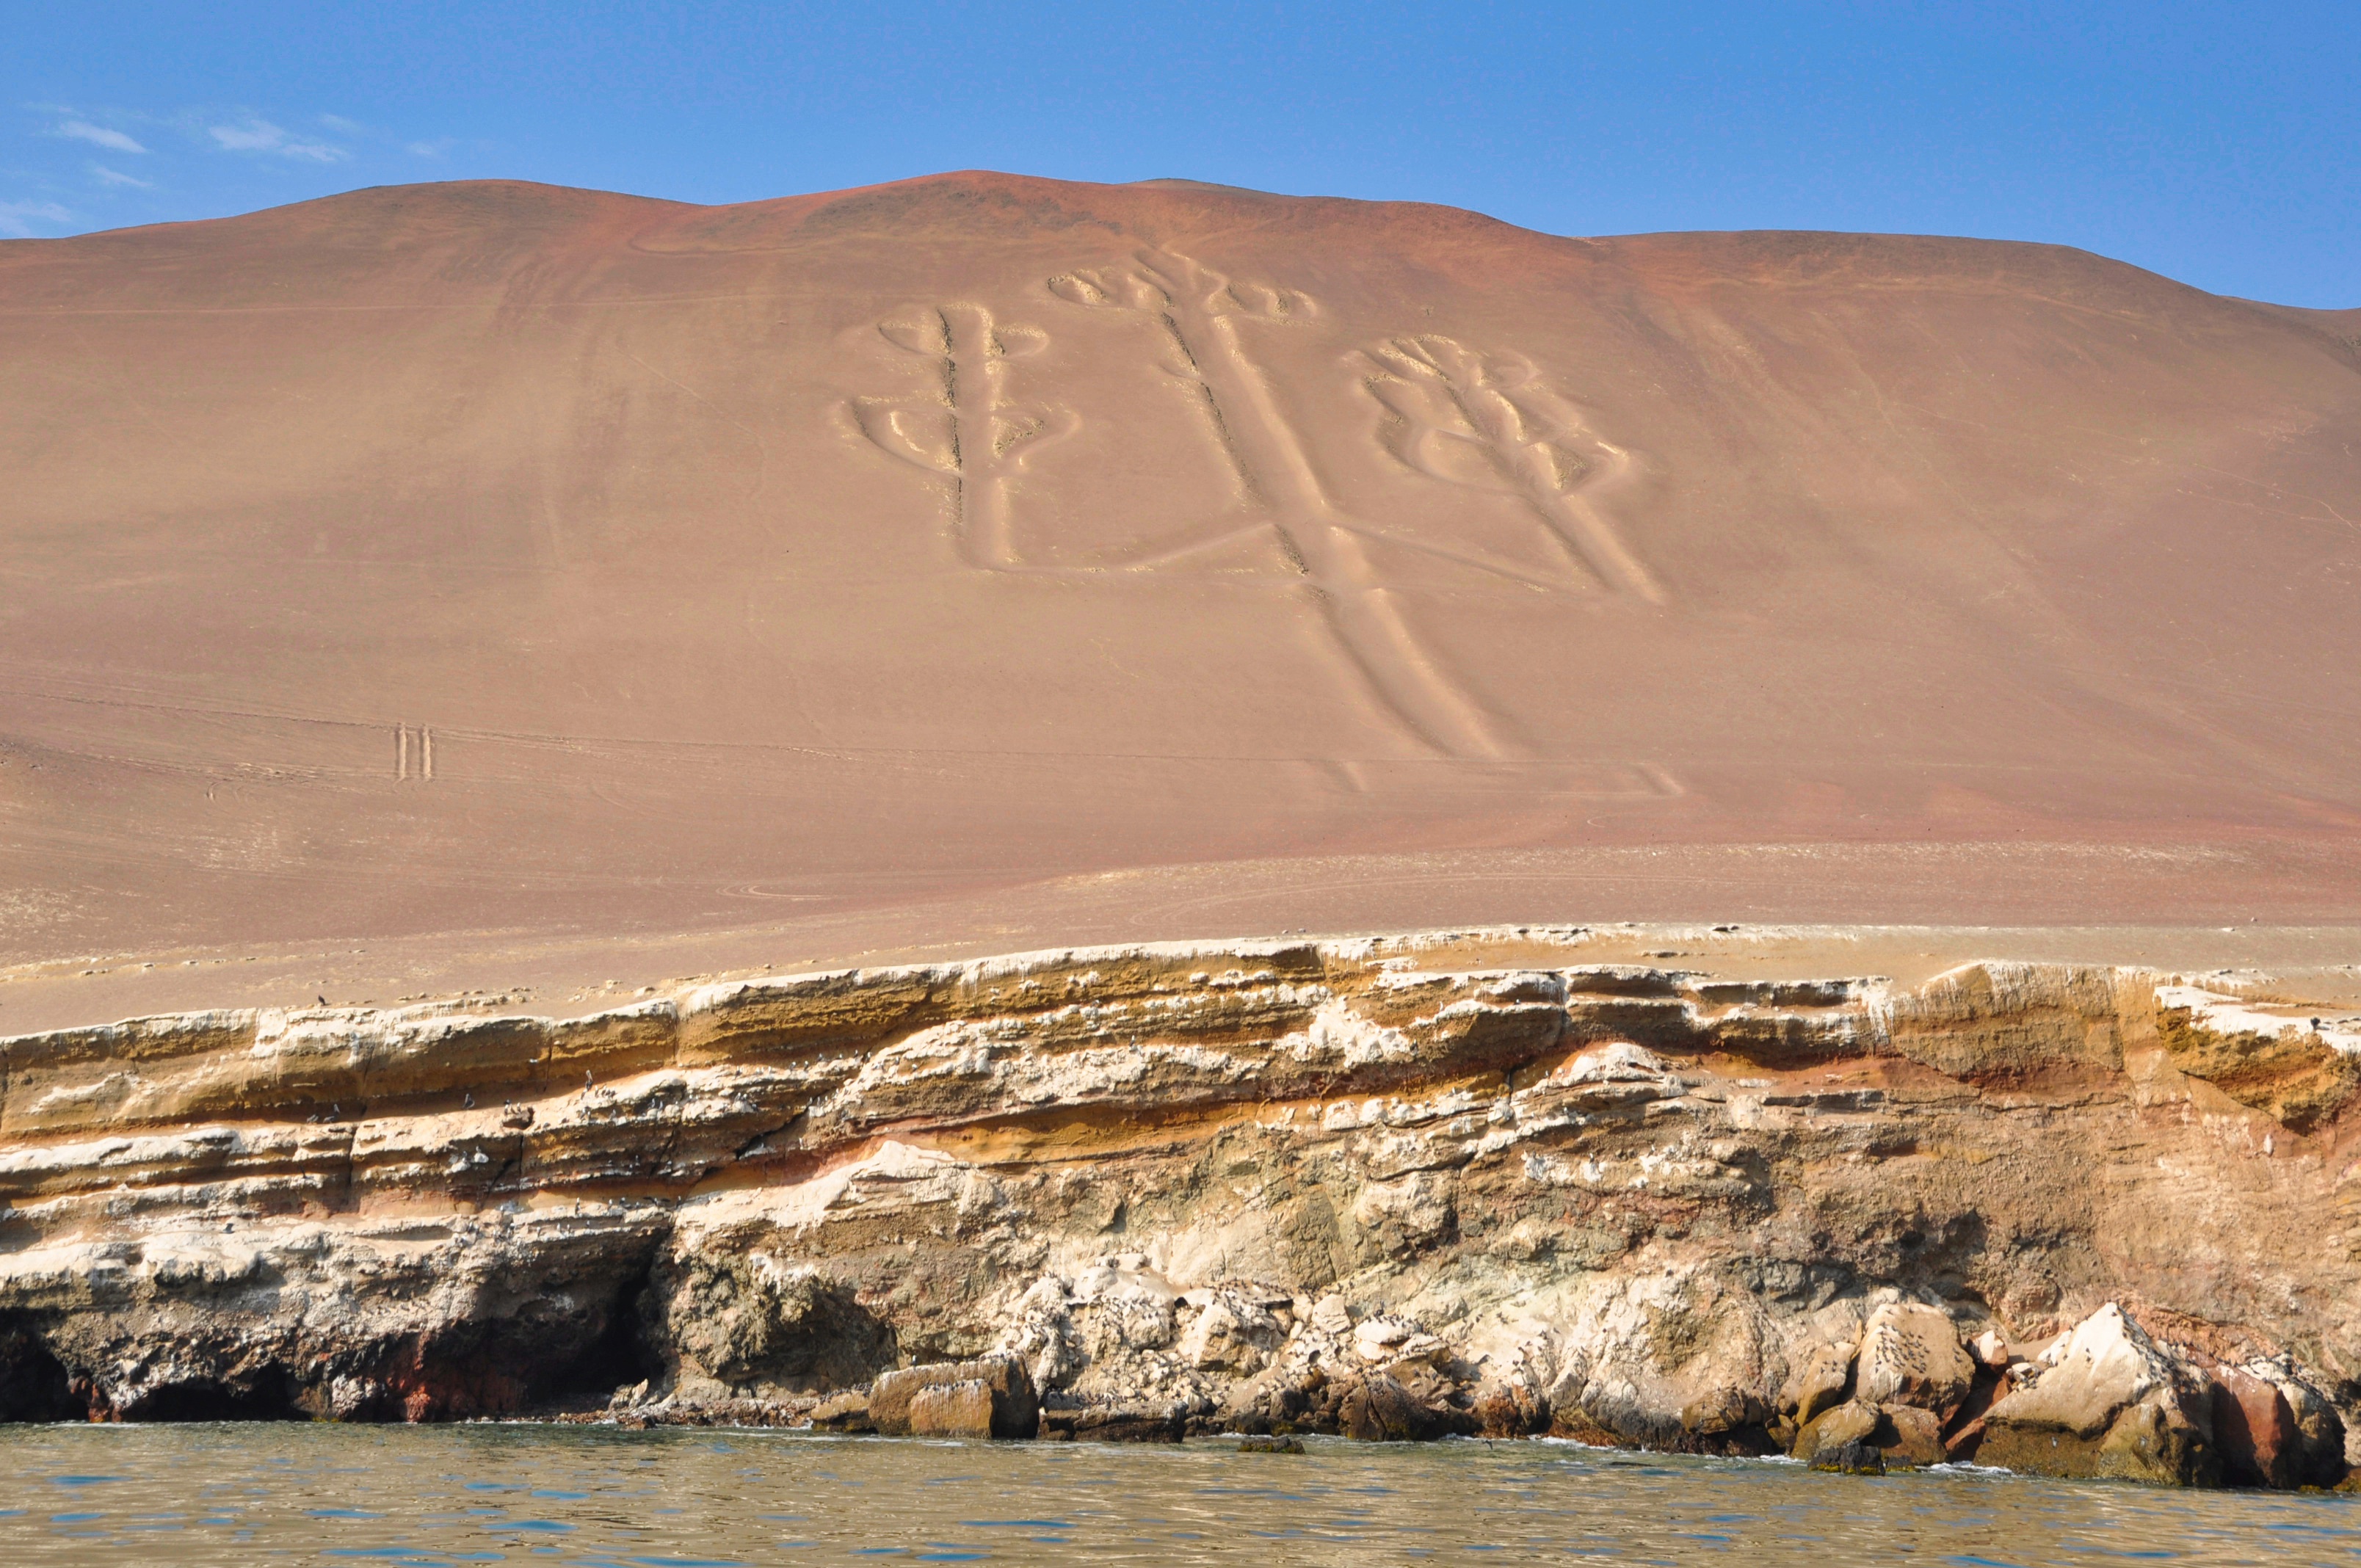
{"points": [[2081, 1220]]}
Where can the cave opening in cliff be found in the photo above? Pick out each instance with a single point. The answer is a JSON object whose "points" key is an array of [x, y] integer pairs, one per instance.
{"points": [[34, 1384], [269, 1397], [619, 1355]]}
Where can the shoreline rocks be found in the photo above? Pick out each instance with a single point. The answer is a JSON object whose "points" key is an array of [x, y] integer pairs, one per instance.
{"points": [[1398, 1189], [2103, 1400]]}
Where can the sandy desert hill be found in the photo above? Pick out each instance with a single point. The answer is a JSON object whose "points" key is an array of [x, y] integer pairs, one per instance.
{"points": [[997, 561]]}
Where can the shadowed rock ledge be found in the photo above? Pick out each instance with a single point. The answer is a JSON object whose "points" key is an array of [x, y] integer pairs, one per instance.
{"points": [[2085, 1220]]}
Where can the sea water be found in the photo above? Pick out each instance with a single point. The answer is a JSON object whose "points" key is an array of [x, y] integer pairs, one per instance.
{"points": [[689, 1498]]}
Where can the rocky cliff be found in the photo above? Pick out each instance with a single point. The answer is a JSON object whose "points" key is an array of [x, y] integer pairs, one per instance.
{"points": [[2080, 1219]]}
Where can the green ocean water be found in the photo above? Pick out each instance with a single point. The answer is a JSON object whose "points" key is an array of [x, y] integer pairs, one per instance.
{"points": [[300, 1494]]}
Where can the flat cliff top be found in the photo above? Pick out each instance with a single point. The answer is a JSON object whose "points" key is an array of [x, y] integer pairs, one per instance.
{"points": [[567, 978], [489, 575]]}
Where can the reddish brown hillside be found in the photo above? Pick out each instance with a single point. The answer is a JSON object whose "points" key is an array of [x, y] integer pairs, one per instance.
{"points": [[867, 547]]}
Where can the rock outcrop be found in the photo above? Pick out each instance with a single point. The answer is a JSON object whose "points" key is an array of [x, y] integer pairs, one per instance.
{"points": [[2047, 1217], [2105, 1401]]}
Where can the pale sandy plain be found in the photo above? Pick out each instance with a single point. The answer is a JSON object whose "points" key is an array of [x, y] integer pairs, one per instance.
{"points": [[495, 586]]}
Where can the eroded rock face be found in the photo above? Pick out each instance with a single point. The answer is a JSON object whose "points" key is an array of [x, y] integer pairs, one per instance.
{"points": [[1396, 1189]]}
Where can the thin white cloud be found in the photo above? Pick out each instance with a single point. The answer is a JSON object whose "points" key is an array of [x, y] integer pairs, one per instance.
{"points": [[14, 217], [106, 175], [113, 141], [338, 122], [428, 149], [257, 135]]}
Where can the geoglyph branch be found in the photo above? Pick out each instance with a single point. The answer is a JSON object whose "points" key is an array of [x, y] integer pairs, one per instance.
{"points": [[1465, 417], [966, 429]]}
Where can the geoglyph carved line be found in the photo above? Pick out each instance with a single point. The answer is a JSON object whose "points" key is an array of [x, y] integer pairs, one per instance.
{"points": [[1199, 309], [965, 428], [413, 753], [1465, 417]]}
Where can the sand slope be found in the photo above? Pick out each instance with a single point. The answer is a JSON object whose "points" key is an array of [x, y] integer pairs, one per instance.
{"points": [[490, 556]]}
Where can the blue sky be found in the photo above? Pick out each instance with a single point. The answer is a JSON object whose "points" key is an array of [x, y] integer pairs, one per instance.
{"points": [[2217, 143]]}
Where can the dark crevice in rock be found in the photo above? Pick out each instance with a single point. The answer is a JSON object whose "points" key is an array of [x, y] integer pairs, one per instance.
{"points": [[618, 1356], [34, 1384]]}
